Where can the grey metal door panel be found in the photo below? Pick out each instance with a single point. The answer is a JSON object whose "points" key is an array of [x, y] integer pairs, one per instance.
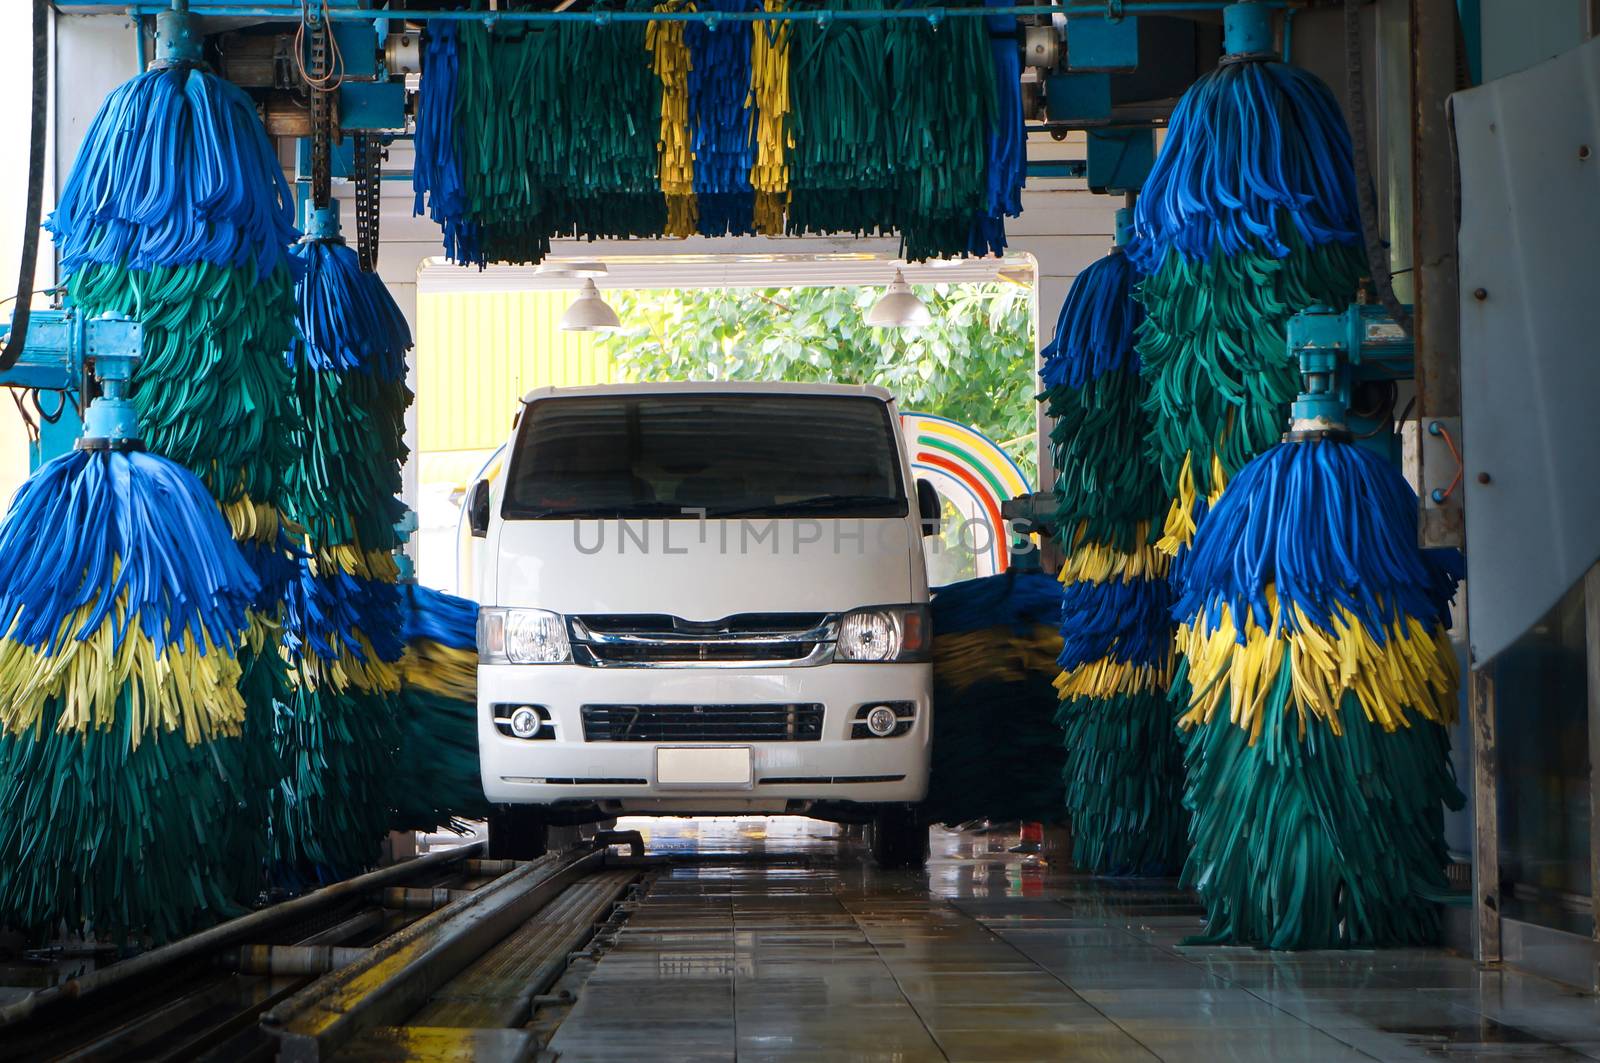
{"points": [[1529, 154]]}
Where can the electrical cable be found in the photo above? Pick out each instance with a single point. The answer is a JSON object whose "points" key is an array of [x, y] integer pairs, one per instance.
{"points": [[39, 101]]}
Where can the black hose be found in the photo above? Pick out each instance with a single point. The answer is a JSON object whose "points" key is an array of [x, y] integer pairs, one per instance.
{"points": [[1366, 196], [30, 226]]}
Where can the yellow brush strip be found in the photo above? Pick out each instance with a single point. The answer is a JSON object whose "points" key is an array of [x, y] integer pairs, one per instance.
{"points": [[187, 687], [252, 521], [997, 654], [1179, 528], [1414, 669], [674, 147], [769, 98], [439, 669], [261, 631], [347, 672], [351, 559], [1091, 562], [1106, 678]]}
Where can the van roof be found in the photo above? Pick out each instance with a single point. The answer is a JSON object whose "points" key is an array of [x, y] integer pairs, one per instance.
{"points": [[753, 387]]}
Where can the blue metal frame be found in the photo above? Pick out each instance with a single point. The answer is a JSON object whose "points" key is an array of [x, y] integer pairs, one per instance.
{"points": [[291, 12]]}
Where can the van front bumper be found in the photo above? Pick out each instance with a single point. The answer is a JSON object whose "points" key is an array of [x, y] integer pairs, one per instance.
{"points": [[785, 775]]}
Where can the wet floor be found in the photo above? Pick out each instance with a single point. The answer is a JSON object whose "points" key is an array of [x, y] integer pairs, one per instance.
{"points": [[795, 948]]}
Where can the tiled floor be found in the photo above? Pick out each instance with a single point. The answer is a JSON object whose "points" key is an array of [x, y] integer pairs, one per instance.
{"points": [[810, 954]]}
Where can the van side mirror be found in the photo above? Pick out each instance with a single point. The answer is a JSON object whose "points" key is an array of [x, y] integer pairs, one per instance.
{"points": [[928, 507], [478, 509]]}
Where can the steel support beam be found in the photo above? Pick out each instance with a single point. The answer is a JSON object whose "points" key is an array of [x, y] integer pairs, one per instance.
{"points": [[1433, 233], [1591, 631], [1486, 820]]}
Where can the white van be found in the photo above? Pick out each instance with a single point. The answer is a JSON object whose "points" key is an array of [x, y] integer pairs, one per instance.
{"points": [[700, 599]]}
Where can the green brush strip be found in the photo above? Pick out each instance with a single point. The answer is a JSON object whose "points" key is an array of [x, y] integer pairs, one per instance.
{"points": [[211, 390], [121, 839], [841, 168], [439, 752], [1001, 773], [612, 172], [348, 448], [1124, 784], [1322, 841], [246, 834], [1213, 352], [542, 153], [940, 130], [338, 750], [1104, 488]]}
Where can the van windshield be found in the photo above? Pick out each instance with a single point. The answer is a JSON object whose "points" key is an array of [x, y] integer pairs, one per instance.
{"points": [[674, 455]]}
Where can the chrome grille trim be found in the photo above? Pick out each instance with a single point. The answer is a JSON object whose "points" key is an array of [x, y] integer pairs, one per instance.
{"points": [[740, 641]]}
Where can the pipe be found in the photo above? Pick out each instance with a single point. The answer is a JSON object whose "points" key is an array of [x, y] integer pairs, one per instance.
{"points": [[602, 18], [411, 899], [294, 959], [232, 933]]}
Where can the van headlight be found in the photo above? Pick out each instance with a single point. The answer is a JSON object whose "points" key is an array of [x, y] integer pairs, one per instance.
{"points": [[522, 636], [885, 634]]}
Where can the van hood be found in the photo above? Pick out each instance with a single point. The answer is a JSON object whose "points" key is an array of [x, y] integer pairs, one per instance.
{"points": [[707, 570]]}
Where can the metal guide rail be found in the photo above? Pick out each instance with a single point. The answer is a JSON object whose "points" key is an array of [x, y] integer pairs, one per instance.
{"points": [[445, 953]]}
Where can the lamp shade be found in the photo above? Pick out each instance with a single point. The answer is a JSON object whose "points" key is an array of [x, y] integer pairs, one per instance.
{"points": [[899, 307], [589, 312]]}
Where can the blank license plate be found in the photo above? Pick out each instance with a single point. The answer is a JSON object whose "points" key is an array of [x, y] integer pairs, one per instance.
{"points": [[703, 766]]}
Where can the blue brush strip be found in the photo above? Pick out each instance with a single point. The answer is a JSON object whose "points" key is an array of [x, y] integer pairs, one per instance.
{"points": [[1247, 141], [323, 614], [276, 567], [175, 169], [439, 617], [436, 168], [1329, 524], [348, 320], [1006, 168], [86, 512], [1017, 600], [721, 128], [1098, 324], [1127, 622]]}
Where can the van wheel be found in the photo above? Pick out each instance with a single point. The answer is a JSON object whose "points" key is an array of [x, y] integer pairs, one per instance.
{"points": [[898, 837], [517, 832]]}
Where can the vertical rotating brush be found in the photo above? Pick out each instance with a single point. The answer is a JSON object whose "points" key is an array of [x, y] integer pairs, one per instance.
{"points": [[340, 734], [1248, 216], [1320, 683], [1123, 763], [176, 214], [123, 604], [996, 748], [439, 712]]}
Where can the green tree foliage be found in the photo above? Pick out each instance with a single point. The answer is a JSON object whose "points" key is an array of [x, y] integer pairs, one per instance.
{"points": [[974, 363]]}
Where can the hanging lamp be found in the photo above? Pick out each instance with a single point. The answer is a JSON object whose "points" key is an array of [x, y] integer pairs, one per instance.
{"points": [[899, 307], [589, 312]]}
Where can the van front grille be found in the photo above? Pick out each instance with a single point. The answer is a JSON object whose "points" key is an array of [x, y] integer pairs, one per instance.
{"points": [[702, 723], [656, 641]]}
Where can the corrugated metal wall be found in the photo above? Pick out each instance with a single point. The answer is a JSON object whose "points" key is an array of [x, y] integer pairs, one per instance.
{"points": [[477, 352]]}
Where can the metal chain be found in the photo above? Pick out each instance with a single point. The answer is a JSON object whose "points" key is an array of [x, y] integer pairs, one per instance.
{"points": [[321, 115], [368, 155]]}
